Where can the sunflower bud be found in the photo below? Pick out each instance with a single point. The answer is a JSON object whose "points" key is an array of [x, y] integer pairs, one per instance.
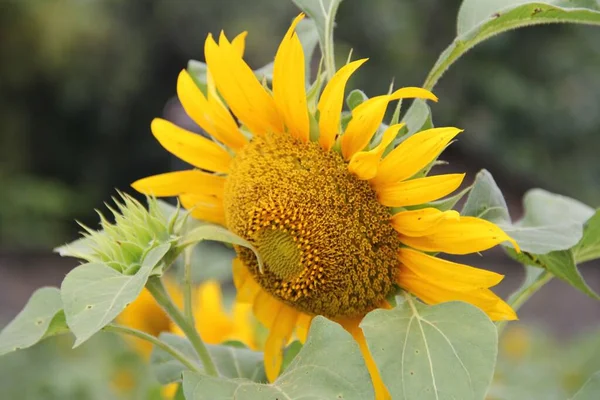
{"points": [[136, 230]]}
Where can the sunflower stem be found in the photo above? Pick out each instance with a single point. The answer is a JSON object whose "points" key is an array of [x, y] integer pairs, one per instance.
{"points": [[188, 309], [517, 299], [176, 354], [157, 289], [328, 46]]}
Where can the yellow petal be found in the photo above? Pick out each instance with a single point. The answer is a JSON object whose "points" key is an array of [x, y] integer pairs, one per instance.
{"points": [[176, 183], [204, 207], [279, 335], [240, 272], [381, 391], [457, 276], [244, 94], [248, 290], [211, 116], [303, 326], [289, 90], [413, 154], [190, 147], [266, 308], [364, 164], [419, 222], [239, 43], [367, 117], [418, 191], [432, 293], [460, 236], [243, 326], [331, 102]]}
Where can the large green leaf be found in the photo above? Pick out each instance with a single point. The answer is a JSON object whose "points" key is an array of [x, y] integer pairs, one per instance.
{"points": [[562, 265], [479, 20], [588, 247], [231, 362], [446, 351], [591, 389], [40, 318], [551, 222], [94, 294], [486, 200], [543, 207], [475, 12], [329, 366]]}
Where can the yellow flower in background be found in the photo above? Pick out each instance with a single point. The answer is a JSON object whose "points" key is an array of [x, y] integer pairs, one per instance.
{"points": [[146, 315], [214, 324], [317, 201]]}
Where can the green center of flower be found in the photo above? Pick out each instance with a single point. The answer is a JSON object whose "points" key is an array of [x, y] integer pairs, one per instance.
{"points": [[326, 242], [280, 252]]}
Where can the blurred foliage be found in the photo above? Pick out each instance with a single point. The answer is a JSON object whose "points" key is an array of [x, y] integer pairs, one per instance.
{"points": [[104, 368], [534, 365], [80, 82]]}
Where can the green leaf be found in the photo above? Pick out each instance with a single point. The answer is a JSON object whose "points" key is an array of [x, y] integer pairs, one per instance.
{"points": [[290, 353], [591, 389], [588, 247], [551, 222], [355, 97], [446, 351], [322, 12], [479, 20], [94, 294], [35, 322], [486, 200], [449, 202], [562, 265], [198, 70], [543, 207], [219, 234], [329, 366], [475, 12], [231, 362]]}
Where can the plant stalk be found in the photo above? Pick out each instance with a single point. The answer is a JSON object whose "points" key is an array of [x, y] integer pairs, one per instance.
{"points": [[188, 308], [176, 354], [157, 289], [523, 294]]}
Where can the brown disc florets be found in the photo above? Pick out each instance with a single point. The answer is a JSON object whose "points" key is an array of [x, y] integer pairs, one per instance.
{"points": [[327, 244]]}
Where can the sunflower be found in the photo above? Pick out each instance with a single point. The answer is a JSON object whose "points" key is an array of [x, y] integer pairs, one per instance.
{"points": [[337, 224]]}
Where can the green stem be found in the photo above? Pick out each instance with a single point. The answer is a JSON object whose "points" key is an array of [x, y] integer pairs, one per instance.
{"points": [[176, 354], [328, 50], [522, 295], [188, 309], [157, 289]]}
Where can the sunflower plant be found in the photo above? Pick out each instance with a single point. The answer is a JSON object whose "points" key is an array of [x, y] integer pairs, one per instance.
{"points": [[340, 227]]}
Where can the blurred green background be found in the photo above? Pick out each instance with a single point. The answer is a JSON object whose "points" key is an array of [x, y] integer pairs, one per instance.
{"points": [[80, 81]]}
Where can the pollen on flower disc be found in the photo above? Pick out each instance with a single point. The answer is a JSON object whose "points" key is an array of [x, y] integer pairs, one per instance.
{"points": [[327, 244]]}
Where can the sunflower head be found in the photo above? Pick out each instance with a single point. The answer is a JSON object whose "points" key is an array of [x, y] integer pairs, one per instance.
{"points": [[338, 220]]}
